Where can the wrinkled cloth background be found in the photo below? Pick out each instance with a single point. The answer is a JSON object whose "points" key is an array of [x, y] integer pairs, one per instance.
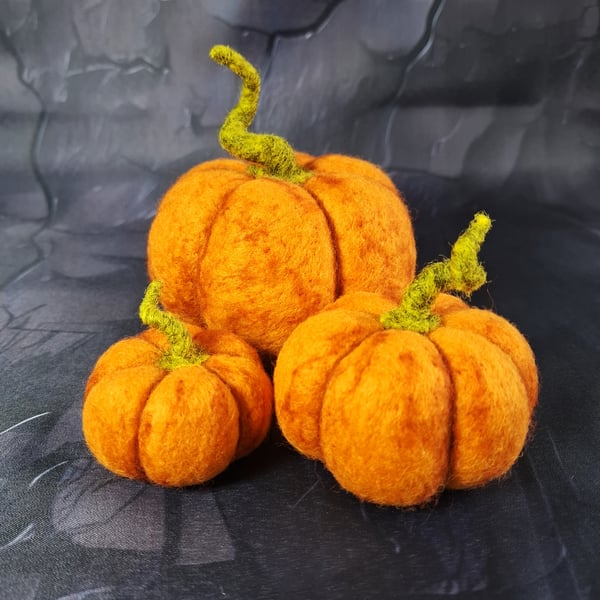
{"points": [[469, 105]]}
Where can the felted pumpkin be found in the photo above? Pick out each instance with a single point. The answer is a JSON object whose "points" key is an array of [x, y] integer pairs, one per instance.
{"points": [[256, 244], [175, 405], [402, 401]]}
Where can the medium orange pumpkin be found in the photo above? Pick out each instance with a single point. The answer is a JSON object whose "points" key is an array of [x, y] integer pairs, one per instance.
{"points": [[256, 245], [175, 405], [432, 394]]}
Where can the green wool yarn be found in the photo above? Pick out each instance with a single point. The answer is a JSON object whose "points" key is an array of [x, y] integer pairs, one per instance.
{"points": [[462, 272], [272, 155], [182, 350]]}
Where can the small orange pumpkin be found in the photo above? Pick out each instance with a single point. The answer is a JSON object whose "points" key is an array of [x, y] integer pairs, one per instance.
{"points": [[175, 405], [256, 245], [432, 394]]}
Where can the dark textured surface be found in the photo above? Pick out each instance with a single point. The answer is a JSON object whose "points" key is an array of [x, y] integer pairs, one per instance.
{"points": [[469, 105]]}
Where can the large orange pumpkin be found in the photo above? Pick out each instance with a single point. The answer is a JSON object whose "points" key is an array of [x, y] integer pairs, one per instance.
{"points": [[431, 394], [176, 404], [258, 244]]}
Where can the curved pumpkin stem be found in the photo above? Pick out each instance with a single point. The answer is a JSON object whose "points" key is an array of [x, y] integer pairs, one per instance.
{"points": [[182, 350], [462, 272], [272, 155]]}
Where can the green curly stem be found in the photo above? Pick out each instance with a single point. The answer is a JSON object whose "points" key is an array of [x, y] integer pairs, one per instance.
{"points": [[271, 155], [182, 350], [462, 272]]}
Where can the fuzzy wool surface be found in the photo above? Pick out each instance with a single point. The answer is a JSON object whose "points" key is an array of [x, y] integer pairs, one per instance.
{"points": [[179, 427], [257, 256], [395, 415]]}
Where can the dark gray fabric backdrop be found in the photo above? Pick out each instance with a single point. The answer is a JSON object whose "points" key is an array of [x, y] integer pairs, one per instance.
{"points": [[469, 105]]}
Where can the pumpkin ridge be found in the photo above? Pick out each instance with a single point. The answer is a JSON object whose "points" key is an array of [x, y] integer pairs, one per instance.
{"points": [[333, 370], [199, 287], [505, 336], [93, 380], [374, 239], [192, 173], [225, 164], [499, 457], [109, 374], [452, 412], [178, 230], [335, 245], [137, 431], [149, 340], [135, 456], [342, 165], [179, 384], [253, 305], [406, 445], [333, 179], [240, 369], [237, 403], [285, 401], [324, 174], [490, 341], [205, 338], [225, 199]]}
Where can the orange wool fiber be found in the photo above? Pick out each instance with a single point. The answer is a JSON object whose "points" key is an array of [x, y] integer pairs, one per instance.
{"points": [[255, 251], [179, 426], [396, 415]]}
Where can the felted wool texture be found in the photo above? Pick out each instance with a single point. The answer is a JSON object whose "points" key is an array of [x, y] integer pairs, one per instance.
{"points": [[371, 231], [179, 233], [189, 428], [362, 239], [124, 354], [157, 338], [376, 304], [268, 263], [121, 397], [239, 365], [352, 166], [491, 407], [303, 158], [303, 368], [445, 304], [221, 342], [111, 415], [369, 302], [385, 422], [503, 334]]}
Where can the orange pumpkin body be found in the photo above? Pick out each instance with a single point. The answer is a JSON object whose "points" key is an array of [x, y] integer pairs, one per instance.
{"points": [[258, 255], [396, 415], [179, 427]]}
